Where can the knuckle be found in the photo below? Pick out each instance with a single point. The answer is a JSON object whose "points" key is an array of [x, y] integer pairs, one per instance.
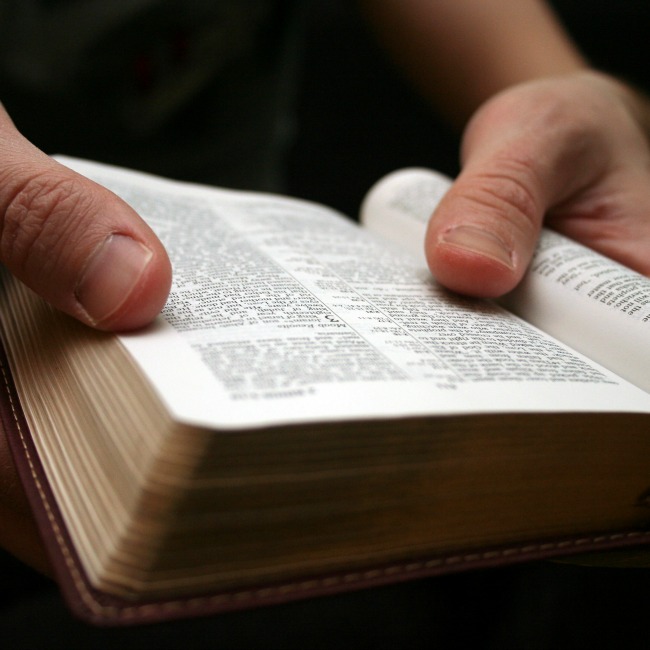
{"points": [[506, 192], [39, 213]]}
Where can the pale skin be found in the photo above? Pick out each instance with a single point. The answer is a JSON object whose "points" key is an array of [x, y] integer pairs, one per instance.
{"points": [[544, 138]]}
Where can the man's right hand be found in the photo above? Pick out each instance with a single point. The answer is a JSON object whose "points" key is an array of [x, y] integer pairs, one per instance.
{"points": [[569, 151]]}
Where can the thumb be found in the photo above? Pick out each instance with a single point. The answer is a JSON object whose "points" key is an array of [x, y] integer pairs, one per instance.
{"points": [[523, 152], [75, 243], [482, 235]]}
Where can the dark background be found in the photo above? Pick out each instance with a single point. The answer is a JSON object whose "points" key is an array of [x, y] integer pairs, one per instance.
{"points": [[358, 118], [351, 129]]}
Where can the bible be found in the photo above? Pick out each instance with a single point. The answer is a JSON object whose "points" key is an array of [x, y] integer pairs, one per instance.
{"points": [[311, 412]]}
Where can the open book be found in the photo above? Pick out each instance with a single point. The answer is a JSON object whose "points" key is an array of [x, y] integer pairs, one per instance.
{"points": [[312, 412]]}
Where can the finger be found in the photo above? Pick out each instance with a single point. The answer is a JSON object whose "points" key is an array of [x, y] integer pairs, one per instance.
{"points": [[523, 153], [482, 235], [75, 243]]}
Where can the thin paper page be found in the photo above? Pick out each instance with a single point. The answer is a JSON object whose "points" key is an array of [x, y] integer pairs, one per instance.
{"points": [[399, 206], [596, 305], [283, 311], [580, 297]]}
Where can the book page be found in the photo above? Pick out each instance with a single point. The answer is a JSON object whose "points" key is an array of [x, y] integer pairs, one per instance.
{"points": [[582, 298], [398, 207], [598, 306], [283, 311]]}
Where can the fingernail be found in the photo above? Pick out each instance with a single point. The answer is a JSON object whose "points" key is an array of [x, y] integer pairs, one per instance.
{"points": [[111, 275], [480, 242]]}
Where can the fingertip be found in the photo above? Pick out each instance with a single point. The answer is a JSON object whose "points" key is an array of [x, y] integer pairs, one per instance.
{"points": [[472, 261], [148, 300], [124, 284]]}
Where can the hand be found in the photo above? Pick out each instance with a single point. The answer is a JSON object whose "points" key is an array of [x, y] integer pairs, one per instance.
{"points": [[571, 150], [75, 243], [87, 253]]}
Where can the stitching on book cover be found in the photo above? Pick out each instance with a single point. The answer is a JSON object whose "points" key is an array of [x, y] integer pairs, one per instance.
{"points": [[50, 515], [288, 589]]}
